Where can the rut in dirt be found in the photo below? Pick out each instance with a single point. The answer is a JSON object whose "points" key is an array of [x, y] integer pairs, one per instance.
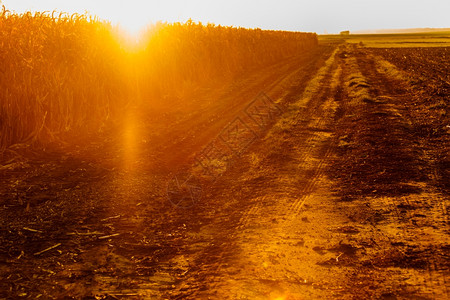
{"points": [[264, 190]]}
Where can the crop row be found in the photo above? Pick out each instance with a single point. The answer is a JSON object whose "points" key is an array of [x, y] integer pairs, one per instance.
{"points": [[71, 73]]}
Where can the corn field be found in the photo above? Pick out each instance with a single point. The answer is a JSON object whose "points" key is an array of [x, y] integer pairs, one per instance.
{"points": [[70, 73], [179, 54]]}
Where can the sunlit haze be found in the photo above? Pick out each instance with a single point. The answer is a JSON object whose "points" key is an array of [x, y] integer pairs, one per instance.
{"points": [[319, 16]]}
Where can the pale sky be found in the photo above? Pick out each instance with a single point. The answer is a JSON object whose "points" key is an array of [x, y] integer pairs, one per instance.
{"points": [[302, 15]]}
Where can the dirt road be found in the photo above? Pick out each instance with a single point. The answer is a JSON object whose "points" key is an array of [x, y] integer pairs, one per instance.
{"points": [[344, 196]]}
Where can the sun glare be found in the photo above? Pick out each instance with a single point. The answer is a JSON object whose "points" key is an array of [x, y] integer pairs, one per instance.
{"points": [[132, 17], [132, 29]]}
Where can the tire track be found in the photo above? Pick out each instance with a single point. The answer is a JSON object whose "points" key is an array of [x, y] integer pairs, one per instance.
{"points": [[312, 100], [320, 120], [308, 125]]}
